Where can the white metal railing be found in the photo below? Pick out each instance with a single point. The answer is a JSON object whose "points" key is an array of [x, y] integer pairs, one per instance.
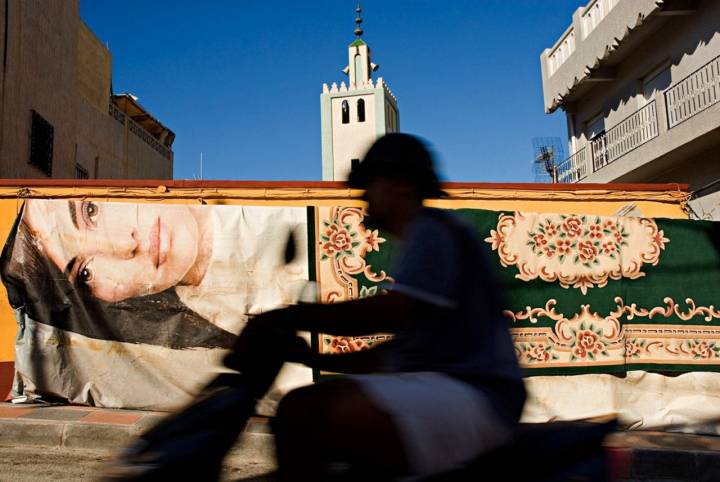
{"points": [[139, 131], [562, 50], [594, 13], [633, 131], [574, 168], [694, 93]]}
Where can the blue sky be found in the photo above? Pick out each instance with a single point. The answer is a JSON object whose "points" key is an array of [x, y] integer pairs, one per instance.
{"points": [[240, 80]]}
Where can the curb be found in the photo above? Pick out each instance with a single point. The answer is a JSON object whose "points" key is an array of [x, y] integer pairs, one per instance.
{"points": [[252, 446]]}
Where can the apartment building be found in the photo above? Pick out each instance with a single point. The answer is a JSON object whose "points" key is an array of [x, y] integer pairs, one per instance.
{"points": [[639, 82]]}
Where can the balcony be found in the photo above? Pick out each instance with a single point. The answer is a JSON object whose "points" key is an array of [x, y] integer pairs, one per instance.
{"points": [[599, 39], [629, 134], [693, 94], [681, 101], [574, 168], [139, 131], [634, 131]]}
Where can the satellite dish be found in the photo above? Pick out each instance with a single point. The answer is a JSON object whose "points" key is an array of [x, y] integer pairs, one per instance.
{"points": [[548, 154]]}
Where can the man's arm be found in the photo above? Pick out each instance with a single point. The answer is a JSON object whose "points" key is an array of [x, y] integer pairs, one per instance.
{"points": [[386, 313], [359, 362]]}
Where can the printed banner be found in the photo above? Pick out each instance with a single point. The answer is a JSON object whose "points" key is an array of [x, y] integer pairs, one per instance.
{"points": [[584, 294], [133, 305]]}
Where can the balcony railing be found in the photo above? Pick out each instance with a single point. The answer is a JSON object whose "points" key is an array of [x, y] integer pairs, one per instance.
{"points": [[574, 168], [694, 93], [138, 130], [563, 49], [634, 131]]}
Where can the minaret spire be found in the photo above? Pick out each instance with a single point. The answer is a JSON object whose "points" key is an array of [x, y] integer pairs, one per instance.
{"points": [[358, 21]]}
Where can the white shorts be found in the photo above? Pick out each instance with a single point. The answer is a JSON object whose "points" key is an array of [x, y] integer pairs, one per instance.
{"points": [[443, 422]]}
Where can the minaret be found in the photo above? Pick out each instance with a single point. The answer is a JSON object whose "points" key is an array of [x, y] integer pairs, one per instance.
{"points": [[355, 114]]}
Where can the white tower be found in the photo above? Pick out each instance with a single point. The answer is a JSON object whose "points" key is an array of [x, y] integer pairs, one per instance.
{"points": [[355, 114]]}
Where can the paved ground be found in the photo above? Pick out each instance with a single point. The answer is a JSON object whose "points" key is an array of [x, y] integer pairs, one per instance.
{"points": [[50, 464], [42, 443]]}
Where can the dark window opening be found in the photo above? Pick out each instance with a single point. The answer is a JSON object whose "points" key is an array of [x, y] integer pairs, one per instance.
{"points": [[345, 112], [361, 110], [81, 172], [41, 144]]}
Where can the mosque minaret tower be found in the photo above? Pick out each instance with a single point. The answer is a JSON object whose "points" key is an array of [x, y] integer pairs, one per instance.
{"points": [[354, 114]]}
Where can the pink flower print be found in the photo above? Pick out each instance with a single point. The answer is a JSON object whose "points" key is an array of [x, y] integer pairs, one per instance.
{"points": [[588, 343], [702, 350], [609, 247], [339, 240], [587, 252], [572, 226], [540, 240], [373, 240], [632, 349], [345, 344], [550, 229], [539, 353], [562, 246], [595, 231]]}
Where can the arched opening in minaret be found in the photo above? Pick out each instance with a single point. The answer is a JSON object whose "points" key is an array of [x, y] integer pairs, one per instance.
{"points": [[345, 112], [361, 110]]}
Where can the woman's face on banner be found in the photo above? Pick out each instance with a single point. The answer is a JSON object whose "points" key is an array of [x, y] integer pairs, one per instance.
{"points": [[116, 251]]}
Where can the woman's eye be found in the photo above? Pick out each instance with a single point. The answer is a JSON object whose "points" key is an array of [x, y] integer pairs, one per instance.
{"points": [[85, 274], [90, 212]]}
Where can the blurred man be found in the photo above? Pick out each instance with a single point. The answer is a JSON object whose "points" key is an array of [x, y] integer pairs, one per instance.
{"points": [[448, 387]]}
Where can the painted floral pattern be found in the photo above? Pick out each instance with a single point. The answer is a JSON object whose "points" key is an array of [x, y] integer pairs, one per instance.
{"points": [[345, 344], [574, 237], [338, 239], [576, 251], [589, 343], [589, 338], [343, 242], [537, 352]]}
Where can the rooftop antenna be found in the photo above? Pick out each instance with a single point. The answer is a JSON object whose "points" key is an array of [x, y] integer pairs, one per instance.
{"points": [[548, 154]]}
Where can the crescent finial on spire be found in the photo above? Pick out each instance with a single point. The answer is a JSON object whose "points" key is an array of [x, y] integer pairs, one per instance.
{"points": [[358, 21]]}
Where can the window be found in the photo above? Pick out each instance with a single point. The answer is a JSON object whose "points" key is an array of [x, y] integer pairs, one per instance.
{"points": [[656, 81], [345, 112], [361, 110], [41, 144], [81, 172], [595, 132]]}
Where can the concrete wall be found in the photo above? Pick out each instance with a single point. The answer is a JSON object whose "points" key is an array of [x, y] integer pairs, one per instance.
{"points": [[56, 66], [108, 151], [40, 74], [94, 64]]}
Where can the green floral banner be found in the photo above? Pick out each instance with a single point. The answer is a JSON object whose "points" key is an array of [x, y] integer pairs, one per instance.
{"points": [[584, 294]]}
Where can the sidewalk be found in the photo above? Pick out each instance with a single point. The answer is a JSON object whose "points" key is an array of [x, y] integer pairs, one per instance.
{"points": [[108, 429], [652, 455]]}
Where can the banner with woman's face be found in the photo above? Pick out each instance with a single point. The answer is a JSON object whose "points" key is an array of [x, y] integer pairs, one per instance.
{"points": [[150, 294]]}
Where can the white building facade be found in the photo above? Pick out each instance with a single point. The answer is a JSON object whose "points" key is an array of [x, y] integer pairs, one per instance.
{"points": [[639, 81], [356, 113]]}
